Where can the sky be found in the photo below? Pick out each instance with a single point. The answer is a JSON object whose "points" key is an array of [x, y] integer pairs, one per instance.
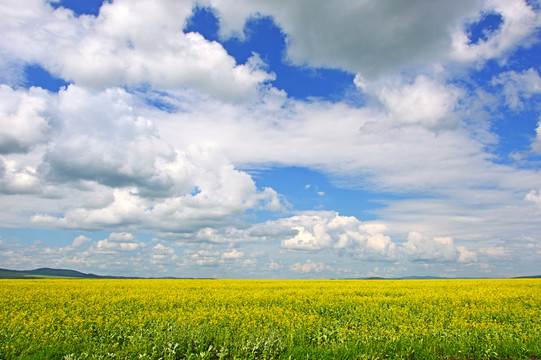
{"points": [[271, 139]]}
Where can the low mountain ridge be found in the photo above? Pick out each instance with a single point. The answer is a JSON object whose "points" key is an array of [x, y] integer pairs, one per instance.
{"points": [[47, 273]]}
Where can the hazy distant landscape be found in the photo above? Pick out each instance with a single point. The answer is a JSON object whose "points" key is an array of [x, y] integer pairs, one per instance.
{"points": [[48, 273]]}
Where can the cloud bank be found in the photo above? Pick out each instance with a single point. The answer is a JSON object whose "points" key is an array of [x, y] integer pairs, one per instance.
{"points": [[161, 131]]}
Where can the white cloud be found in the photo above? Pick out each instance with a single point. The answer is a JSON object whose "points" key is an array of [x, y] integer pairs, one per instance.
{"points": [[232, 255], [536, 143], [534, 196], [518, 86], [425, 101], [26, 118], [308, 267], [219, 256], [423, 248], [314, 231], [122, 237], [520, 21], [305, 240], [497, 251], [108, 153], [460, 188], [124, 210], [330, 233], [160, 249], [16, 179], [224, 192], [465, 255], [161, 254], [328, 230], [389, 35], [337, 139], [129, 43], [232, 234], [117, 163], [117, 242], [205, 257], [80, 241], [99, 156]]}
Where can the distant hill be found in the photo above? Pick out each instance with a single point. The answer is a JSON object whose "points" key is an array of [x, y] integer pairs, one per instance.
{"points": [[47, 273], [424, 278], [528, 277], [401, 278]]}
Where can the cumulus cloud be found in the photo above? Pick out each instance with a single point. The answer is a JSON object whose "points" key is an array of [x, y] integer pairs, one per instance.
{"points": [[26, 118], [388, 35], [104, 154], [465, 255], [124, 210], [518, 86], [104, 145], [141, 172], [120, 253], [121, 237], [235, 233], [117, 242], [18, 179], [536, 142], [205, 257], [229, 194], [233, 254], [459, 189], [425, 101], [364, 142], [328, 230], [80, 241], [519, 21], [308, 267], [109, 143], [496, 251], [534, 196], [128, 43], [161, 249], [423, 248], [163, 254], [115, 163], [311, 231]]}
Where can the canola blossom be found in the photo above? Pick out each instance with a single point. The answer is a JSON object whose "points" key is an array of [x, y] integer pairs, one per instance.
{"points": [[270, 319]]}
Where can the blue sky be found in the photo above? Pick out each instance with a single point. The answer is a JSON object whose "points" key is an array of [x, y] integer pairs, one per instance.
{"points": [[256, 139]]}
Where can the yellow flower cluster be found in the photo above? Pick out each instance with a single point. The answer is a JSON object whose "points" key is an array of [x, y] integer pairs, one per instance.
{"points": [[452, 318]]}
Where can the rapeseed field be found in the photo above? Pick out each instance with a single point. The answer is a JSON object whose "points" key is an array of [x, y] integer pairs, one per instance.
{"points": [[252, 319]]}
